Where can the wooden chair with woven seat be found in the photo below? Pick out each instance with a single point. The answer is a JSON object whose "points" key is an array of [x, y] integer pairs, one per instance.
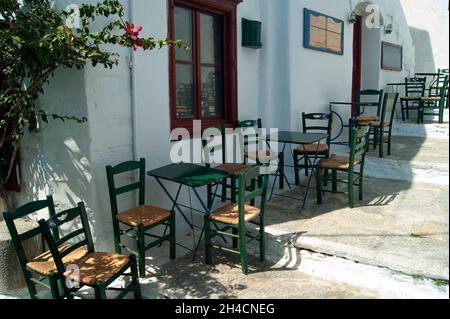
{"points": [[381, 131], [356, 158], [87, 267], [209, 134], [139, 220], [414, 90], [435, 101], [37, 271], [235, 216], [254, 150], [312, 123]]}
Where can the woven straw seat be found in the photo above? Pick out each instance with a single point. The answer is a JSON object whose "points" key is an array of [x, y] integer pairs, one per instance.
{"points": [[97, 266], [44, 264], [144, 214], [411, 98], [337, 162], [430, 99], [312, 148], [263, 155], [373, 123], [235, 169], [229, 214], [367, 118]]}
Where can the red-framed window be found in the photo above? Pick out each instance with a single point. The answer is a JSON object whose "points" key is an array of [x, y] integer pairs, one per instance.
{"points": [[203, 80]]}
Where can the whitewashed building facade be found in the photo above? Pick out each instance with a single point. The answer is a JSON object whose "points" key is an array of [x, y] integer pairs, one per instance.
{"points": [[129, 107]]}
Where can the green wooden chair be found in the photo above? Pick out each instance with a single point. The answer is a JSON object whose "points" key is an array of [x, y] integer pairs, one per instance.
{"points": [[235, 169], [435, 101], [312, 123], [356, 158], [138, 220], [414, 90], [381, 131], [37, 271], [94, 269], [253, 151], [235, 216]]}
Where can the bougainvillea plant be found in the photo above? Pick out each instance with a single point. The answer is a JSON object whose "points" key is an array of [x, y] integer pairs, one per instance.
{"points": [[35, 41]]}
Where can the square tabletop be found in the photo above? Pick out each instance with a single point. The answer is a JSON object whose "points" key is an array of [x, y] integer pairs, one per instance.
{"points": [[187, 174], [296, 137]]}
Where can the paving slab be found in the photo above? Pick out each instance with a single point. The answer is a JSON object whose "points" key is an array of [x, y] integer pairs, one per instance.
{"points": [[400, 225], [183, 279]]}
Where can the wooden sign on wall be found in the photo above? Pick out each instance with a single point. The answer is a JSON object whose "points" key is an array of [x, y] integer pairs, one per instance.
{"points": [[323, 33], [391, 56]]}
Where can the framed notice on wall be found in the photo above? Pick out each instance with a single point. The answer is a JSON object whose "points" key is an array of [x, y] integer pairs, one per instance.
{"points": [[391, 56], [323, 33]]}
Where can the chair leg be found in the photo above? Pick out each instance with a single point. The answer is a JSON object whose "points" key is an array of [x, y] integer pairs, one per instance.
{"points": [[224, 190], [100, 290], [233, 189], [281, 170], [172, 236], [53, 282], [334, 181], [381, 143], [350, 189], [243, 250], [262, 240], [403, 112], [30, 285], [375, 138], [361, 187], [235, 240], [141, 250], [296, 169], [253, 187], [209, 195], [117, 244], [319, 185], [306, 165], [208, 257], [135, 278]]}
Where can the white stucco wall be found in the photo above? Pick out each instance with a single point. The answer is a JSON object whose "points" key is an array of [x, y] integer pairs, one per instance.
{"points": [[429, 22], [128, 109]]}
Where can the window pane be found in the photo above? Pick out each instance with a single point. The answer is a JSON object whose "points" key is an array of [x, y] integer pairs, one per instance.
{"points": [[185, 91], [183, 31], [211, 92], [210, 33]]}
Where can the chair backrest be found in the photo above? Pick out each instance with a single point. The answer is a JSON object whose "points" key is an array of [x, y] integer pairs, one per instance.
{"points": [[246, 196], [359, 145], [318, 123], [71, 241], [248, 139], [21, 212], [373, 98], [439, 82], [395, 98], [126, 167], [415, 86], [208, 135]]}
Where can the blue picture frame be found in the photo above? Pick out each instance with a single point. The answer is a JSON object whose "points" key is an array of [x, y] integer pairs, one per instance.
{"points": [[307, 31]]}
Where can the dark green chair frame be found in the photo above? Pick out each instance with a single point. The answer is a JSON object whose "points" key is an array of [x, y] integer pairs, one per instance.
{"points": [[428, 108], [257, 124], [380, 135], [315, 118], [414, 87], [358, 149], [141, 232], [53, 243], [32, 279], [238, 232]]}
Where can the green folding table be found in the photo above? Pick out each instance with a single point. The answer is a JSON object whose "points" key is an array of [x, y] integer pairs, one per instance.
{"points": [[192, 177]]}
